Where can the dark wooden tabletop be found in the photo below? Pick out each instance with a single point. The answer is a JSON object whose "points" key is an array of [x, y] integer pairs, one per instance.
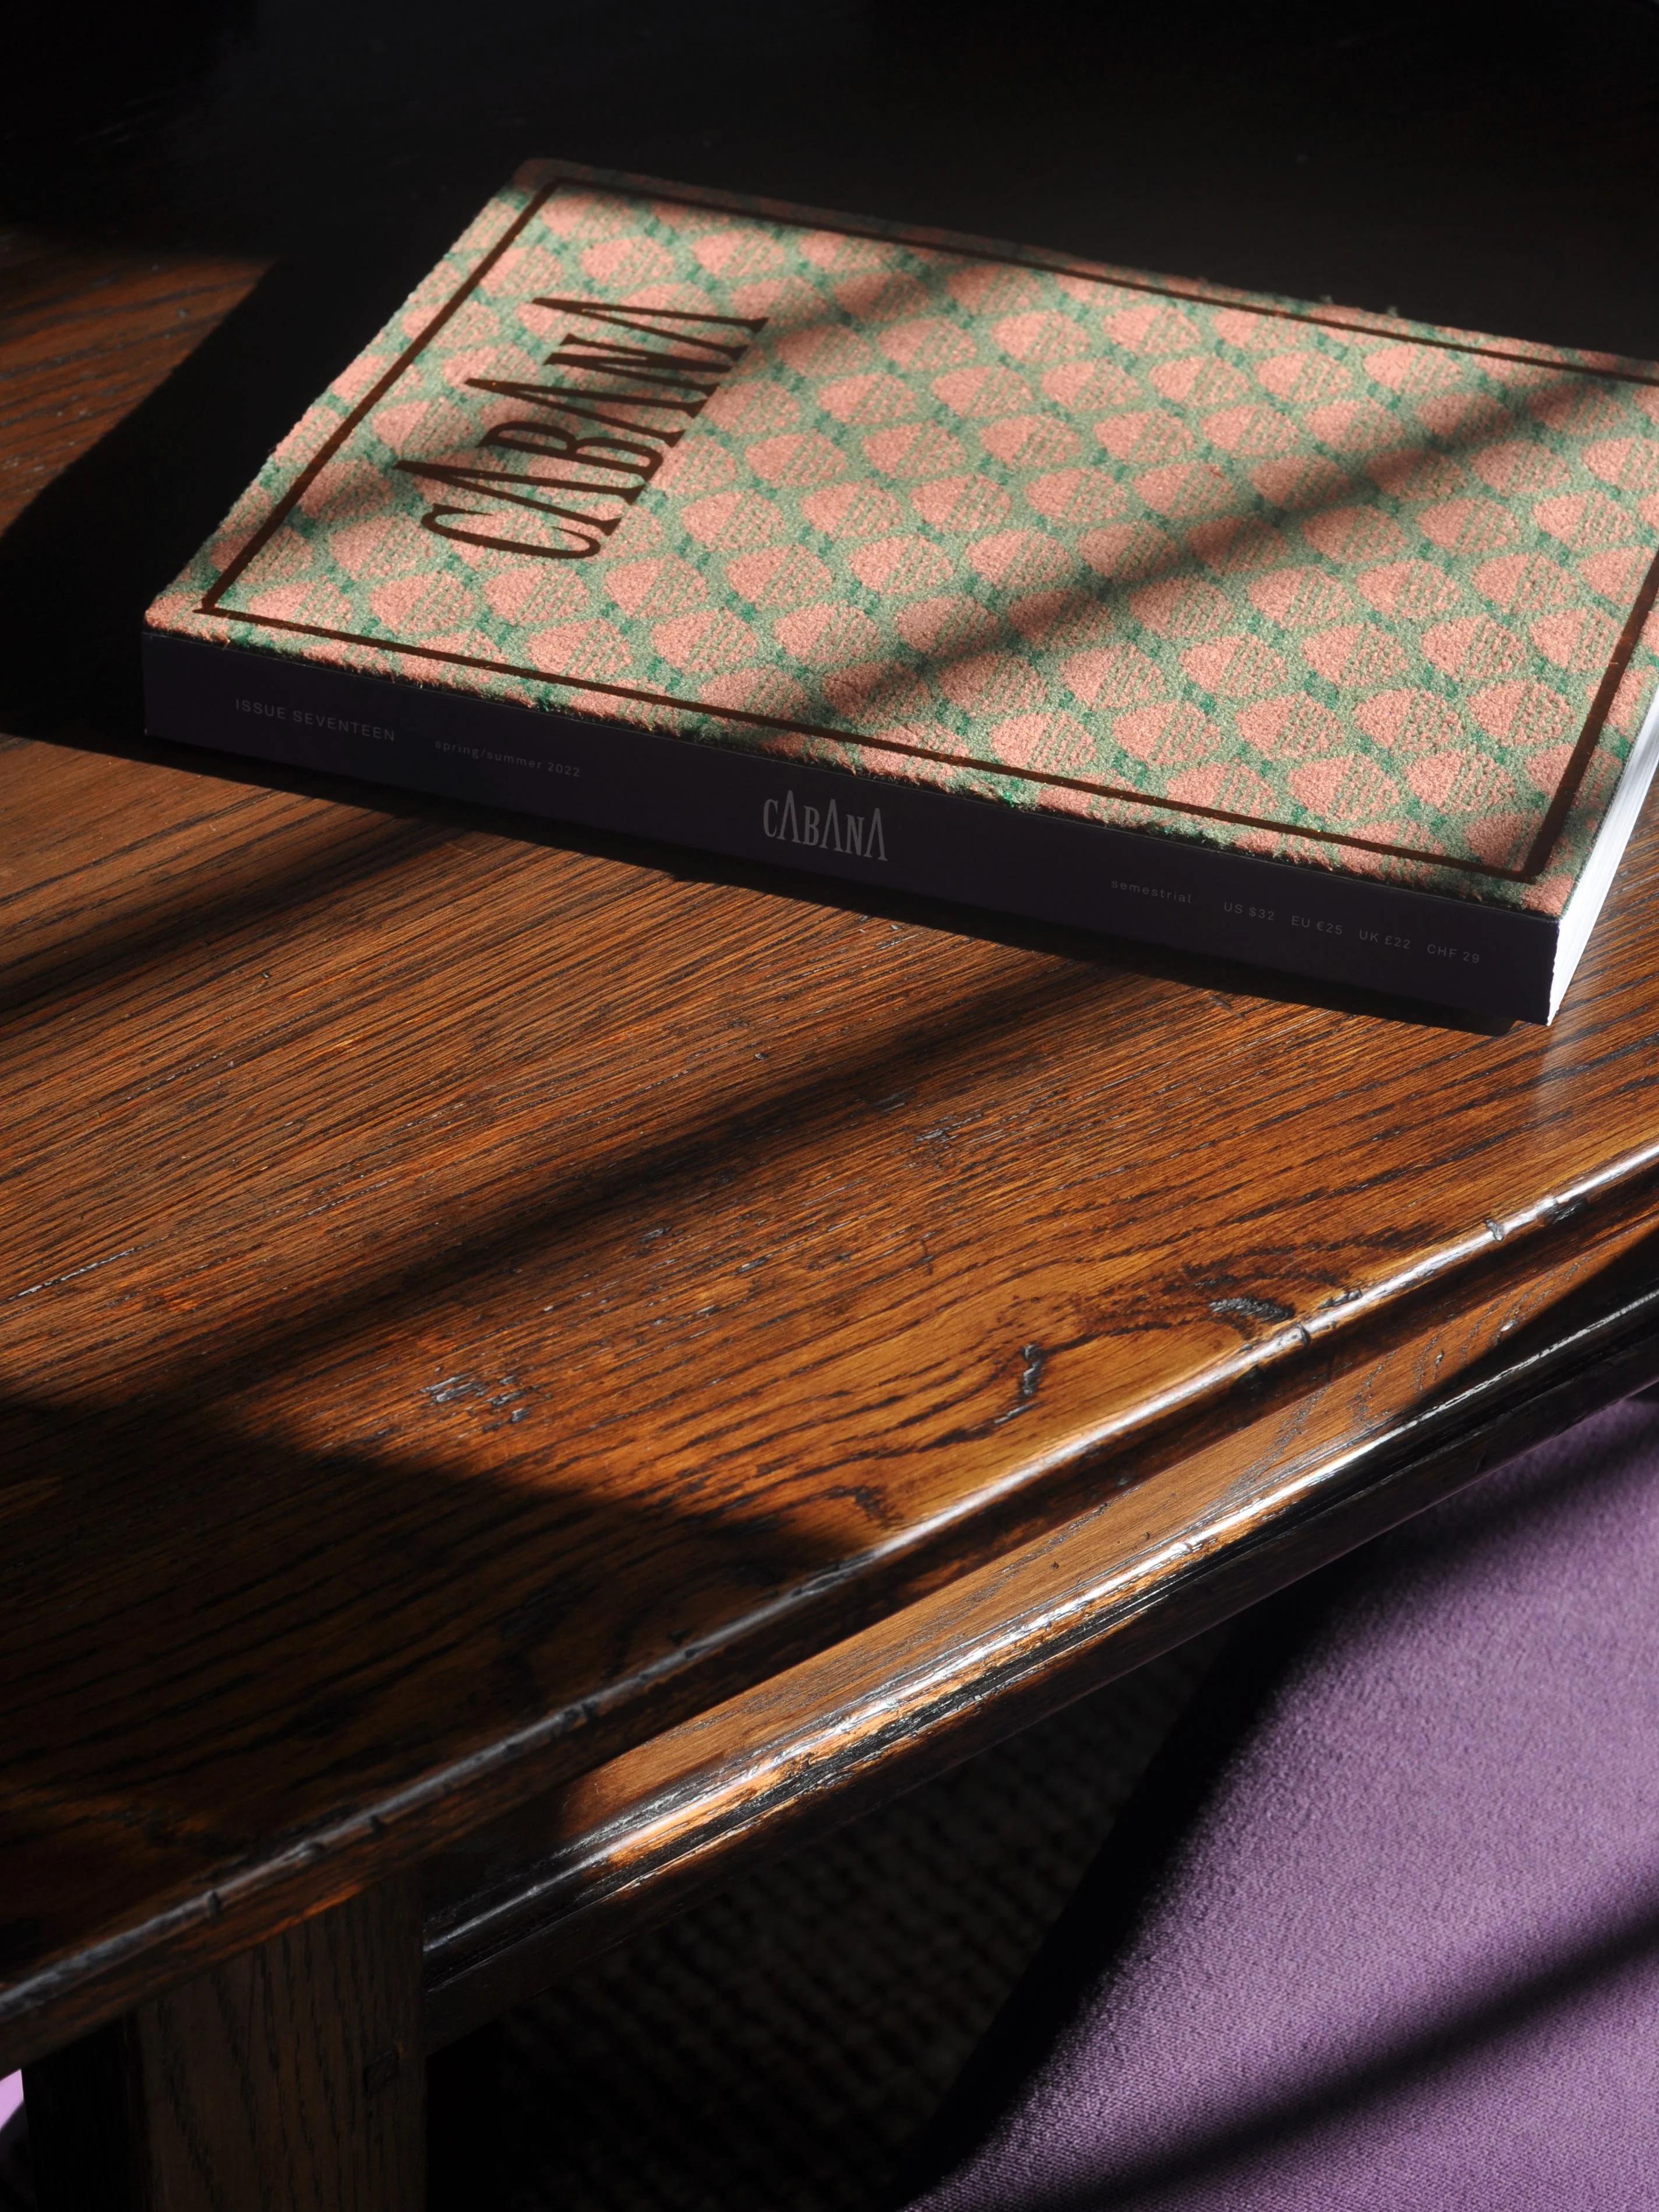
{"points": [[550, 1362]]}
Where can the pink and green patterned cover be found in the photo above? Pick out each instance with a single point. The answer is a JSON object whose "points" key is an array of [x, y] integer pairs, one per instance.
{"points": [[1315, 584]]}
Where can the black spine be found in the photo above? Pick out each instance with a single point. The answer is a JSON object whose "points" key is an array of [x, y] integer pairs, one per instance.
{"points": [[901, 836]]}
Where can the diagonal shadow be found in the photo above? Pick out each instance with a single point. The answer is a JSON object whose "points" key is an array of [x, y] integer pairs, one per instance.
{"points": [[125, 949], [1125, 1895], [73, 590], [98, 483], [1626, 1949], [795, 1118], [67, 619], [211, 1642], [83, 562], [1088, 608], [129, 949]]}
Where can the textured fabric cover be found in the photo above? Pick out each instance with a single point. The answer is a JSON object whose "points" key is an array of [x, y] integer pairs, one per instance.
{"points": [[1324, 585], [1405, 1953]]}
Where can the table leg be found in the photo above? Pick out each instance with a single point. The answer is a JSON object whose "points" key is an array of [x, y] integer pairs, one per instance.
{"points": [[291, 2079]]}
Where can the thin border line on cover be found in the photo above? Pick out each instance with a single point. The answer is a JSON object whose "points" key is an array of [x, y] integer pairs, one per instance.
{"points": [[559, 172]]}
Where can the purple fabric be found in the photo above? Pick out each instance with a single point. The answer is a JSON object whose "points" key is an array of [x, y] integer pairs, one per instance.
{"points": [[1406, 1957], [12, 2096]]}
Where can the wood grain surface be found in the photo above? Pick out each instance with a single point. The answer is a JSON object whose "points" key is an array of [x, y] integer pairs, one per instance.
{"points": [[1215, 1515], [291, 2079], [473, 1301], [86, 332]]}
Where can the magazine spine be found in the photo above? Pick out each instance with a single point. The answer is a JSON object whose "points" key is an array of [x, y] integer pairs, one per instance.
{"points": [[877, 830]]}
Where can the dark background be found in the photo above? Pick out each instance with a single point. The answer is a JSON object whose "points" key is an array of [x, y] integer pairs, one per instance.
{"points": [[1487, 164]]}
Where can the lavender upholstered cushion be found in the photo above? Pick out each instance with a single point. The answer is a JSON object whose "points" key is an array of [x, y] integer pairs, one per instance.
{"points": [[1403, 1954]]}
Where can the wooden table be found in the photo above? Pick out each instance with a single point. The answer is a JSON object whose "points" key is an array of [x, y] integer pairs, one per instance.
{"points": [[537, 1367]]}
